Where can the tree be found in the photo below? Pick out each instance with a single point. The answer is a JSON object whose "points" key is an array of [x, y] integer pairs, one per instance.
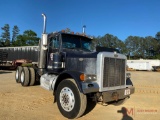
{"points": [[139, 47], [31, 37], [133, 46], [109, 41], [95, 42], [1, 44], [157, 36], [150, 46], [15, 33], [20, 41], [28, 38], [122, 47], [5, 37]]}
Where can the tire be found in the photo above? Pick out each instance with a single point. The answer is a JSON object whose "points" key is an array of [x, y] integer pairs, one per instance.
{"points": [[32, 76], [71, 102], [120, 102], [17, 74], [24, 76]]}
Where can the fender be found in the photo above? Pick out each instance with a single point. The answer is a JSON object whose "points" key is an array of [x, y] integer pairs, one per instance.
{"points": [[68, 74]]}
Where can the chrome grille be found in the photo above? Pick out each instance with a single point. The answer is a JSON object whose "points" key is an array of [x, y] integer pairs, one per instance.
{"points": [[114, 72]]}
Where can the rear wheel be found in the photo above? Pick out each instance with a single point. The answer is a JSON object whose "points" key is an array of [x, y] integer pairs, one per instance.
{"points": [[17, 74], [71, 102], [24, 76], [32, 76]]}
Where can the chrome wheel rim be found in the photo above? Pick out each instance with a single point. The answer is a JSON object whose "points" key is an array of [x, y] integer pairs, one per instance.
{"points": [[67, 99], [22, 77], [17, 75]]}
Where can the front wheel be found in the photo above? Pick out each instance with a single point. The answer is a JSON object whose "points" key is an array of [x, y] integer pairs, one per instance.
{"points": [[71, 102]]}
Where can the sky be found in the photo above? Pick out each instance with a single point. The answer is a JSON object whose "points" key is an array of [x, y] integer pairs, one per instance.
{"points": [[120, 18]]}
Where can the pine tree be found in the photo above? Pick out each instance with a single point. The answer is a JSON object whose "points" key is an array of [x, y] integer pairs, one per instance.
{"points": [[5, 37], [15, 33]]}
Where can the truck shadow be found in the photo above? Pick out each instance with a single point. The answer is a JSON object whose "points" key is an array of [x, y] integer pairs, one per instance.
{"points": [[5, 72], [90, 106]]}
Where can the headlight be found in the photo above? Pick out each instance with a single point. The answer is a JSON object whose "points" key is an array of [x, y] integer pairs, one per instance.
{"points": [[88, 77], [128, 75]]}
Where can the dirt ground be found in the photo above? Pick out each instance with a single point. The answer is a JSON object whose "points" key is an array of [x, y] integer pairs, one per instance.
{"points": [[35, 103]]}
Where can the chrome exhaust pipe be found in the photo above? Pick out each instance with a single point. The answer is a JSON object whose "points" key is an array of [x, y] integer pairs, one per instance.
{"points": [[44, 26], [83, 29], [42, 50]]}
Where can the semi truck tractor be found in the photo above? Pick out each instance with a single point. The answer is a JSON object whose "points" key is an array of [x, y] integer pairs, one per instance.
{"points": [[67, 66]]}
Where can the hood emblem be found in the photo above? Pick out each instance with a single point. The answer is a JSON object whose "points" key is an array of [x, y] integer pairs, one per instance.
{"points": [[80, 59], [115, 54]]}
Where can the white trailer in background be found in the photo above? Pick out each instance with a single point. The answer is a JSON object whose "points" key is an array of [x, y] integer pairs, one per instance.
{"points": [[143, 64]]}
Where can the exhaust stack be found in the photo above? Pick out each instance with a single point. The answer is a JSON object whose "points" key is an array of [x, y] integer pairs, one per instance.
{"points": [[44, 25], [43, 49], [83, 30]]}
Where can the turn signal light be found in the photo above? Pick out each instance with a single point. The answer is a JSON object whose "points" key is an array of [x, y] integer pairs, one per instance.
{"points": [[82, 77], [88, 77]]}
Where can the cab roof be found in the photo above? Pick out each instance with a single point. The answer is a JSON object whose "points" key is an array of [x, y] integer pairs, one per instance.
{"points": [[53, 34]]}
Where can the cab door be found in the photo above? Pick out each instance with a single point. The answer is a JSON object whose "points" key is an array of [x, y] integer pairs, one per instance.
{"points": [[53, 47]]}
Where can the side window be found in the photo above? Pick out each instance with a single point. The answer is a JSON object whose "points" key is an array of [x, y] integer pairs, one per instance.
{"points": [[86, 45], [54, 43]]}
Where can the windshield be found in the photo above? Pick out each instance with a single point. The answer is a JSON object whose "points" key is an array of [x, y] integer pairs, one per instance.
{"points": [[76, 42]]}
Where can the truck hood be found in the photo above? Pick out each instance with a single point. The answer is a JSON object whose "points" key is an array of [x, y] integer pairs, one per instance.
{"points": [[81, 54], [84, 62]]}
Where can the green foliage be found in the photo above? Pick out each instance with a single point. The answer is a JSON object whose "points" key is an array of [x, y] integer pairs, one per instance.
{"points": [[109, 41], [20, 41], [157, 36], [139, 47], [1, 44], [5, 37], [15, 33], [95, 42], [28, 38], [134, 47], [156, 56]]}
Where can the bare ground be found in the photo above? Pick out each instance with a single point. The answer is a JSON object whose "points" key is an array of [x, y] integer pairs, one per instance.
{"points": [[35, 103]]}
